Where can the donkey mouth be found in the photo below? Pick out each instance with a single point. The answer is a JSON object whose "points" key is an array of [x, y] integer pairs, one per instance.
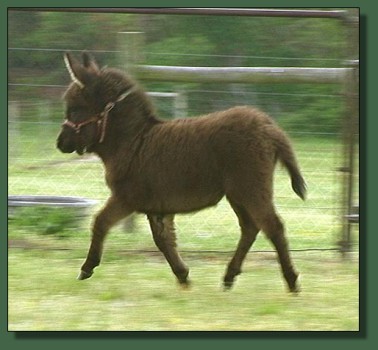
{"points": [[64, 148], [80, 150]]}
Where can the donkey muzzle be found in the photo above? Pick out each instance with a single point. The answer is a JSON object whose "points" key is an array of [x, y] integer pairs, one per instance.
{"points": [[64, 146]]}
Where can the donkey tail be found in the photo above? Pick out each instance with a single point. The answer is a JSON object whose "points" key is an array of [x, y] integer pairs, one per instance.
{"points": [[285, 154]]}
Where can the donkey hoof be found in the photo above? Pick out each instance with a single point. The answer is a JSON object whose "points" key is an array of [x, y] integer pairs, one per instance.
{"points": [[227, 285], [84, 275], [295, 290], [185, 285], [295, 286]]}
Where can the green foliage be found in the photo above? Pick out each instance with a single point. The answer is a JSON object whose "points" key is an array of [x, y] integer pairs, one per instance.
{"points": [[318, 109], [322, 117], [45, 220], [190, 41], [61, 31], [191, 51]]}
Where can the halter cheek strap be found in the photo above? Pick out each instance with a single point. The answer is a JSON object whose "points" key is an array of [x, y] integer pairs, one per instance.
{"points": [[101, 119]]}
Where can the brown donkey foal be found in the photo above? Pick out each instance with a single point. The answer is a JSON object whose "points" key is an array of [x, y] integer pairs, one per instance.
{"points": [[161, 168]]}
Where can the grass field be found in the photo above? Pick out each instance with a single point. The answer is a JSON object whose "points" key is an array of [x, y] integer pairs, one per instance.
{"points": [[134, 288], [138, 292]]}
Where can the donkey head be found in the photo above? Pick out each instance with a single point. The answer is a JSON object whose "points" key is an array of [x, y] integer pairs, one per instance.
{"points": [[89, 98]]}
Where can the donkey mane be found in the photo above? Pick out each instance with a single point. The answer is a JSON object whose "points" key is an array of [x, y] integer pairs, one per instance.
{"points": [[162, 168]]}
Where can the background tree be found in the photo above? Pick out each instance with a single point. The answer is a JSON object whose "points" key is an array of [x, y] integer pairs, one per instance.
{"points": [[193, 41]]}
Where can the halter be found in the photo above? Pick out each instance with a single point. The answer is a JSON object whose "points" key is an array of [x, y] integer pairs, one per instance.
{"points": [[101, 119]]}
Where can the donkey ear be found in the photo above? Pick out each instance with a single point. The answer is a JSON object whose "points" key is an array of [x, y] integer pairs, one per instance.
{"points": [[75, 69], [90, 63]]}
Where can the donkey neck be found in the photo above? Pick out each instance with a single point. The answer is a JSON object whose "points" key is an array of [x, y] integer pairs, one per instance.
{"points": [[123, 142]]}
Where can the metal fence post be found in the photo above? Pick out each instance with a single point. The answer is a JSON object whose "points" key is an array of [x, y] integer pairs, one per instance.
{"points": [[350, 132], [13, 130]]}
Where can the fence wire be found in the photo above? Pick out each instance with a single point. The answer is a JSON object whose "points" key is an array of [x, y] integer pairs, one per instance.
{"points": [[36, 167]]}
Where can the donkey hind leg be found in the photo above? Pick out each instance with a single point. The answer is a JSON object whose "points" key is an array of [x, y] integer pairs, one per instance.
{"points": [[163, 232], [249, 231], [274, 229], [105, 219]]}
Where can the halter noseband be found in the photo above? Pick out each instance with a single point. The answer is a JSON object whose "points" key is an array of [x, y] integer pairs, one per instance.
{"points": [[101, 119]]}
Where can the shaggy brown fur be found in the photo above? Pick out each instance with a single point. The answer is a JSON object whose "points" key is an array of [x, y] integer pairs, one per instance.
{"points": [[161, 168]]}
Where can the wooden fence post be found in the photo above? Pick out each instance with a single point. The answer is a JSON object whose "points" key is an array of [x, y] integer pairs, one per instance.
{"points": [[130, 45], [44, 113], [180, 104]]}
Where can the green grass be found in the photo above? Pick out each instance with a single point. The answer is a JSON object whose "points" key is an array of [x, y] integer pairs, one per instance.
{"points": [[134, 288], [138, 292]]}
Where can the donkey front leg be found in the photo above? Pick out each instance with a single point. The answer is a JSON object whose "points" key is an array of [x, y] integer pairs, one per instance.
{"points": [[163, 232], [113, 211]]}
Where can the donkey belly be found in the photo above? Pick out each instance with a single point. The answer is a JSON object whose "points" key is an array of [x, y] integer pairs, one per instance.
{"points": [[190, 202], [173, 199]]}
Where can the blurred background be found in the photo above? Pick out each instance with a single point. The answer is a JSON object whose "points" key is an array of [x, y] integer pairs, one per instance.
{"points": [[314, 115], [311, 113]]}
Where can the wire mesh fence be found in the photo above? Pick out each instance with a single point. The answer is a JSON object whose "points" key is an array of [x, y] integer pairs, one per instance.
{"points": [[36, 167]]}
